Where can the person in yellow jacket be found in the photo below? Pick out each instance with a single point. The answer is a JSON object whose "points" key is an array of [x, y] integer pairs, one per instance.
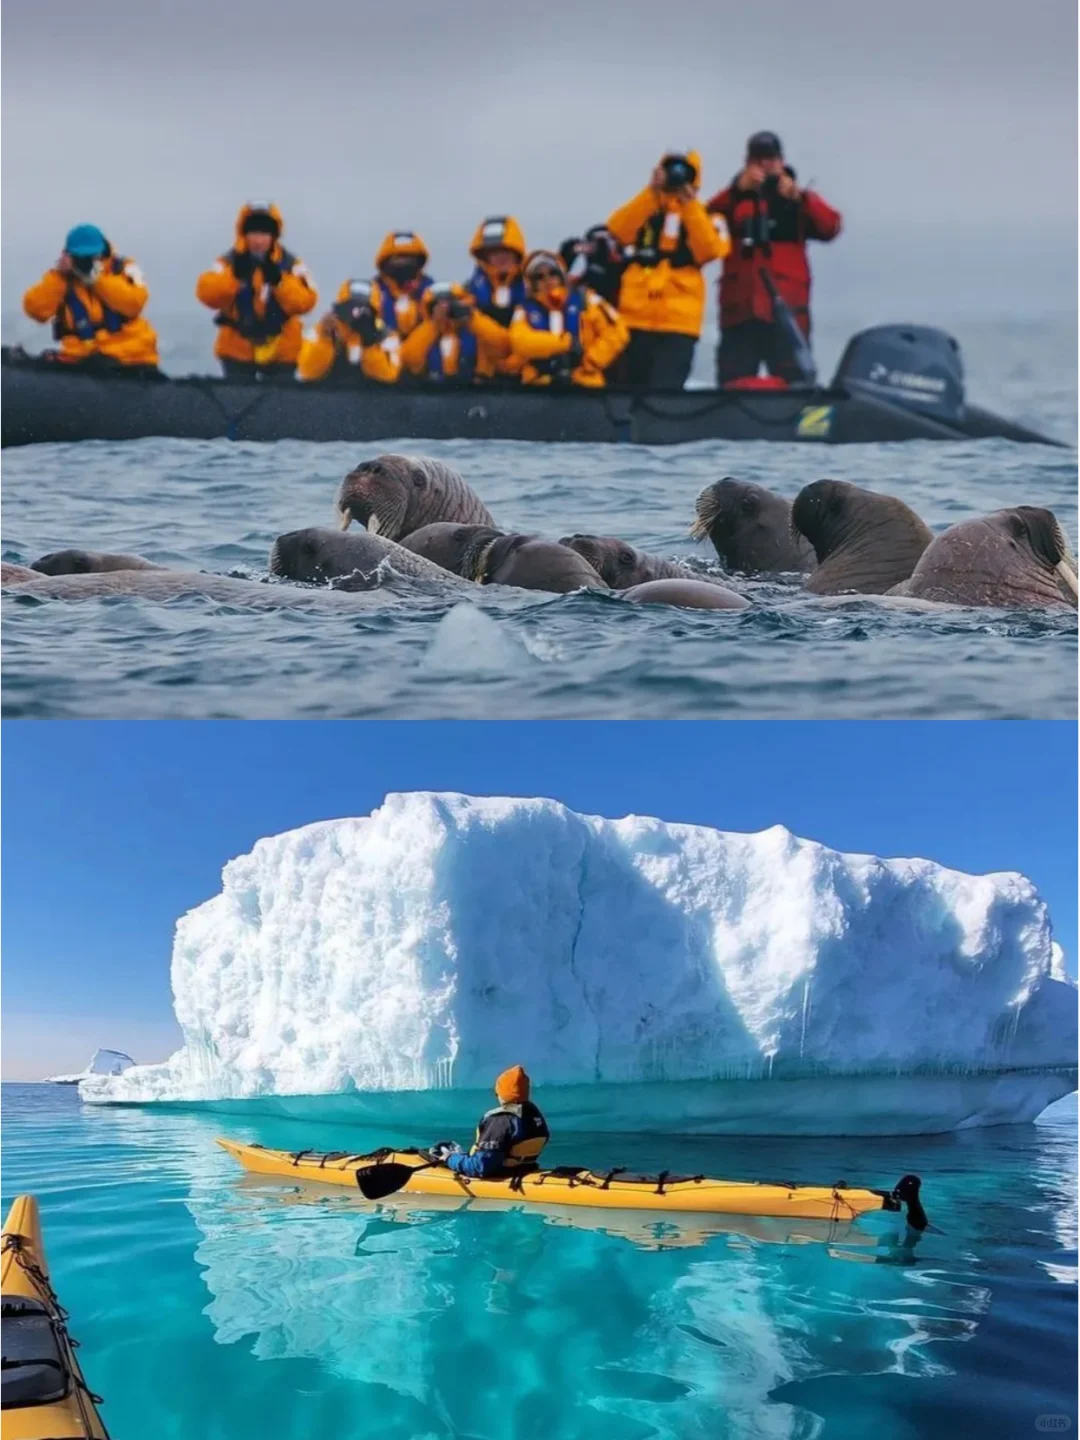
{"points": [[259, 290], [95, 299], [401, 282], [564, 334], [670, 237], [446, 344], [497, 288], [349, 341]]}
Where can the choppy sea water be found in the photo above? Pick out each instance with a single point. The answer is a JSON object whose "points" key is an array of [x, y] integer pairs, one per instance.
{"points": [[230, 1308], [218, 505]]}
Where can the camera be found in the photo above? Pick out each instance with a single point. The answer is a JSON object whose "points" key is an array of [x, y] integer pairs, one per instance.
{"points": [[770, 186], [678, 171], [84, 264]]}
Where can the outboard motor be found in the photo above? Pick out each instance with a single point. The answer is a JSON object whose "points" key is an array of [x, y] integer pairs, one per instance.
{"points": [[913, 366]]}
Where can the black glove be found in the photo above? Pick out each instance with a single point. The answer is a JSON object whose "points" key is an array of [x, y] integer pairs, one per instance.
{"points": [[241, 264], [367, 327], [271, 271], [441, 1149]]}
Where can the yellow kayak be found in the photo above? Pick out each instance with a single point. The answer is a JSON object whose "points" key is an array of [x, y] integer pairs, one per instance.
{"points": [[44, 1394], [568, 1185]]}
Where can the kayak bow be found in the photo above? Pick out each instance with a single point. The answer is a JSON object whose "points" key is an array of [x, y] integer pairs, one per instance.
{"points": [[44, 1394]]}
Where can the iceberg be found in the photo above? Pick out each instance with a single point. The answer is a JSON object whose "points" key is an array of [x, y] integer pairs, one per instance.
{"points": [[647, 974], [104, 1062]]}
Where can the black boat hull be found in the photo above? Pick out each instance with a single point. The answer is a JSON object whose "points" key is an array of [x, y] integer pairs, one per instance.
{"points": [[42, 404]]}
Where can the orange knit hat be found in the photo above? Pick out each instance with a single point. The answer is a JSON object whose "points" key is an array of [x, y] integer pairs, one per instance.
{"points": [[512, 1086]]}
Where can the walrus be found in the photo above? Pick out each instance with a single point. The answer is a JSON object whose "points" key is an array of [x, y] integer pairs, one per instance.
{"points": [[89, 562], [490, 557], [318, 555], [691, 594], [447, 544], [1015, 558], [165, 585], [864, 542], [750, 528], [393, 495], [12, 574], [621, 565]]}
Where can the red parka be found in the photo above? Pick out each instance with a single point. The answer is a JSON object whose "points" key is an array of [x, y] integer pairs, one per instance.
{"points": [[785, 226]]}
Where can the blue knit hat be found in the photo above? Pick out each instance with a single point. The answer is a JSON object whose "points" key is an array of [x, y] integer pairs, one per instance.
{"points": [[85, 240]]}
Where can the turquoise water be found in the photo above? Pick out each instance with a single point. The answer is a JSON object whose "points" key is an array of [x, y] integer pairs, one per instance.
{"points": [[215, 1306]]}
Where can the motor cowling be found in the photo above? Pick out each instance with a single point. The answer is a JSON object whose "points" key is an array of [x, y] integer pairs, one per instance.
{"points": [[913, 366]]}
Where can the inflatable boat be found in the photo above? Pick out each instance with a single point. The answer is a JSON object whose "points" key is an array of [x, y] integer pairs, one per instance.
{"points": [[894, 382], [575, 1185], [45, 1396]]}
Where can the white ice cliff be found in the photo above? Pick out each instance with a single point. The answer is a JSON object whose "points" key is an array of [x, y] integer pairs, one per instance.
{"points": [[104, 1062], [428, 945]]}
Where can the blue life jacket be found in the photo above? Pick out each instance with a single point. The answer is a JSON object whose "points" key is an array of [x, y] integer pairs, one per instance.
{"points": [[466, 367], [483, 292], [388, 311], [271, 322], [81, 324]]}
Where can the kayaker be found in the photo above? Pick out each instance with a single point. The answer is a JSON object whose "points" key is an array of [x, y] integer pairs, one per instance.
{"points": [[662, 297], [349, 341], [497, 290], [401, 282], [95, 299], [509, 1138], [259, 290], [564, 334], [771, 219], [595, 259]]}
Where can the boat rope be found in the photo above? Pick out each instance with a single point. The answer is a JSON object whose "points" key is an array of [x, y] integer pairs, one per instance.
{"points": [[606, 1182], [297, 1155]]}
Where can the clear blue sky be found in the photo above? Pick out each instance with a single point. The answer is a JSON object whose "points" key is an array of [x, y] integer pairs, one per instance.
{"points": [[111, 830]]}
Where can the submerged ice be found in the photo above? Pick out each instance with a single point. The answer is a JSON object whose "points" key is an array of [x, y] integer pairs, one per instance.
{"points": [[424, 947]]}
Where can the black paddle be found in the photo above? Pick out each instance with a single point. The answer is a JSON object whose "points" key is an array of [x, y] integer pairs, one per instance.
{"points": [[800, 348], [377, 1181]]}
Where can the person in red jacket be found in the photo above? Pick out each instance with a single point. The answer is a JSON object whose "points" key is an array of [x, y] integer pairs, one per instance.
{"points": [[770, 219]]}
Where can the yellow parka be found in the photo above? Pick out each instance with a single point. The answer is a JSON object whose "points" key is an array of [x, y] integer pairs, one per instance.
{"points": [[663, 287], [334, 345], [98, 317], [402, 306], [258, 323], [539, 332], [497, 295]]}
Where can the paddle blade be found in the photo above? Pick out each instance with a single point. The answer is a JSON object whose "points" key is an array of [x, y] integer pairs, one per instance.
{"points": [[375, 1181]]}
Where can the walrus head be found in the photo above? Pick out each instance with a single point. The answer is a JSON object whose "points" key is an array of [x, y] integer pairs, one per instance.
{"points": [[819, 513], [377, 493], [65, 562], [612, 559], [1041, 530], [314, 555]]}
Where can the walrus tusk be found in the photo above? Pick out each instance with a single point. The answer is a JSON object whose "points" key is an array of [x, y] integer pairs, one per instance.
{"points": [[373, 524], [344, 519], [1068, 574]]}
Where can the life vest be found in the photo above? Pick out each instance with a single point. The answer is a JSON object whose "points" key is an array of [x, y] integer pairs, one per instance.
{"points": [[256, 328], [438, 358], [497, 301], [566, 321], [662, 237], [530, 1134], [401, 322], [73, 317]]}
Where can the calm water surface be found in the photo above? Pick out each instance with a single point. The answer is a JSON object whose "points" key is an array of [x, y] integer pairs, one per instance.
{"points": [[217, 506], [233, 1309]]}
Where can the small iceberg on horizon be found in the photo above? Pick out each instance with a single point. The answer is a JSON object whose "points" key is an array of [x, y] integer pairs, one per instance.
{"points": [[104, 1062]]}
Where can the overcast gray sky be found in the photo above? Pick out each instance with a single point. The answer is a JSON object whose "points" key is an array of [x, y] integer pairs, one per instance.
{"points": [[945, 130]]}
